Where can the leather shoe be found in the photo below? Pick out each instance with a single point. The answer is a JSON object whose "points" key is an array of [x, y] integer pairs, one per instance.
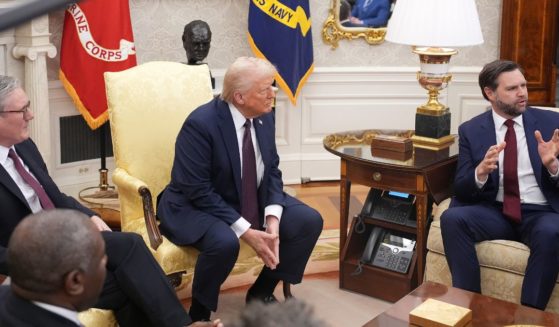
{"points": [[266, 299]]}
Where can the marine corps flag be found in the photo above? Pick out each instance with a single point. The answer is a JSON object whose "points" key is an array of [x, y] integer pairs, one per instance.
{"points": [[97, 38], [280, 31]]}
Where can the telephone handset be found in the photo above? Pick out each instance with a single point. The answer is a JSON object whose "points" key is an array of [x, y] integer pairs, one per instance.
{"points": [[388, 251], [376, 235]]}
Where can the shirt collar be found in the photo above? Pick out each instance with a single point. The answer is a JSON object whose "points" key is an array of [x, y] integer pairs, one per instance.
{"points": [[500, 121], [4, 154], [66, 313], [238, 118]]}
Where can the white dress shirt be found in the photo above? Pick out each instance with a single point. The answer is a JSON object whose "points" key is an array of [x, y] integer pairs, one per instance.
{"points": [[27, 191], [242, 225], [530, 191]]}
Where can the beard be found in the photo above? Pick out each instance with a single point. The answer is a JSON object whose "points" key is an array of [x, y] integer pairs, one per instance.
{"points": [[509, 109]]}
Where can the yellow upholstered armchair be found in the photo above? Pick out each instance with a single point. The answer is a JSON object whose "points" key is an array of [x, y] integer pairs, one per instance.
{"points": [[147, 107]]}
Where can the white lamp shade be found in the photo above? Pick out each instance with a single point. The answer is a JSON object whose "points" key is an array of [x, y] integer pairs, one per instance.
{"points": [[435, 23]]}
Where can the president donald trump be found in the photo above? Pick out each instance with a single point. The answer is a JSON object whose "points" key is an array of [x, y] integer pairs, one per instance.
{"points": [[226, 185]]}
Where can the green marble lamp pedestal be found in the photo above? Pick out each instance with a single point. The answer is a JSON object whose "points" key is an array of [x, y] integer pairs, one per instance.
{"points": [[432, 130]]}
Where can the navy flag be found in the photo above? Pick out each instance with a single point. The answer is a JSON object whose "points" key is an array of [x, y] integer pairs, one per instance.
{"points": [[280, 31]]}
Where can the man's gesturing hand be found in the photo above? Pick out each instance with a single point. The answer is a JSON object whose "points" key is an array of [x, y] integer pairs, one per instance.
{"points": [[549, 150], [489, 162]]}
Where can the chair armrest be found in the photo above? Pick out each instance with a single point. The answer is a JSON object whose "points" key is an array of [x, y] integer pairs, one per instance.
{"points": [[440, 208], [127, 182], [155, 238], [130, 184]]}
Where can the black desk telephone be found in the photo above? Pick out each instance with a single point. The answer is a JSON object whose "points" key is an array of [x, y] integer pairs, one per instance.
{"points": [[388, 251], [394, 207]]}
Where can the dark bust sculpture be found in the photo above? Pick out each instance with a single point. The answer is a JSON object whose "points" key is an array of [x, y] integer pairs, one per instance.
{"points": [[196, 40]]}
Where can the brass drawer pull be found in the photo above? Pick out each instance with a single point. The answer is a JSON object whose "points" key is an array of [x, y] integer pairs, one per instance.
{"points": [[377, 177]]}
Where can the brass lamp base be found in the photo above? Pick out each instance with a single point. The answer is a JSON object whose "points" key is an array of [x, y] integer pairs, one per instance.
{"points": [[432, 143], [94, 194]]}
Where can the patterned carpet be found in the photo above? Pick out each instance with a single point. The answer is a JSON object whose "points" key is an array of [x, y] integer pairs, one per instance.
{"points": [[325, 197]]}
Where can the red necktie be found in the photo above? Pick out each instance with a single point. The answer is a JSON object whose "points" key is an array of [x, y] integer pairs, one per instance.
{"points": [[511, 197], [249, 205], [46, 203]]}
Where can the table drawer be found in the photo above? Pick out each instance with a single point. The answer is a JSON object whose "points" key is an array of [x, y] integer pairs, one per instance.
{"points": [[384, 178]]}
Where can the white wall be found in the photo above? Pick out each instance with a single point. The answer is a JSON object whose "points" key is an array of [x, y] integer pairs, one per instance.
{"points": [[158, 27], [356, 86]]}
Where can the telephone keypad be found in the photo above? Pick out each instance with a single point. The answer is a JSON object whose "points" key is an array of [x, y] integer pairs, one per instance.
{"points": [[392, 259]]}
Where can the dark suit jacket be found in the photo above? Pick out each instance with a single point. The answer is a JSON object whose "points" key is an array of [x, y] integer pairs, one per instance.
{"points": [[13, 207], [375, 15], [206, 177], [478, 134], [18, 312]]}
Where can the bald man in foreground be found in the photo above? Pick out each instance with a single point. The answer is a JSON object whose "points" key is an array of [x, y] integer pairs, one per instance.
{"points": [[52, 278]]}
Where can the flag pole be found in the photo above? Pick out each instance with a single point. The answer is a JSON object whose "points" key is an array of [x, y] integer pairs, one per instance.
{"points": [[103, 172], [103, 199], [103, 190]]}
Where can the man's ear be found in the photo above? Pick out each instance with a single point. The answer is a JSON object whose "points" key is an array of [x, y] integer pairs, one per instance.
{"points": [[489, 92], [74, 282], [238, 97]]}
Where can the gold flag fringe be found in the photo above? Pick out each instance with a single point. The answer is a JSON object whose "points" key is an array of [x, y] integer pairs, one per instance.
{"points": [[93, 123]]}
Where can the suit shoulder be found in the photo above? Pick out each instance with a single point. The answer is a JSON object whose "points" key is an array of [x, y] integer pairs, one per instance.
{"points": [[544, 113], [28, 145], [206, 111], [475, 121]]}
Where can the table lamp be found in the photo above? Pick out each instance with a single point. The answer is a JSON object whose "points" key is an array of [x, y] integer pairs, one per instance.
{"points": [[433, 28]]}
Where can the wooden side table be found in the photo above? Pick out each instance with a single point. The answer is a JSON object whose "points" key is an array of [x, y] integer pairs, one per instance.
{"points": [[105, 204], [427, 174], [486, 311]]}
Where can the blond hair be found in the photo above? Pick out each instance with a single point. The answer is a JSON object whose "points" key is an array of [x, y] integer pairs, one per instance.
{"points": [[243, 73]]}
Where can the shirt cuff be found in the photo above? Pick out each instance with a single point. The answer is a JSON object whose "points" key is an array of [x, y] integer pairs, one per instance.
{"points": [[240, 226], [479, 183], [273, 210]]}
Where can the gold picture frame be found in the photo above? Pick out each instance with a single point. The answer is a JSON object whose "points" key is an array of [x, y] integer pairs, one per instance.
{"points": [[333, 31]]}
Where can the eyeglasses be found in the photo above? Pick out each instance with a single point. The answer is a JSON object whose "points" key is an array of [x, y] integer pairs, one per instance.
{"points": [[23, 111]]}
